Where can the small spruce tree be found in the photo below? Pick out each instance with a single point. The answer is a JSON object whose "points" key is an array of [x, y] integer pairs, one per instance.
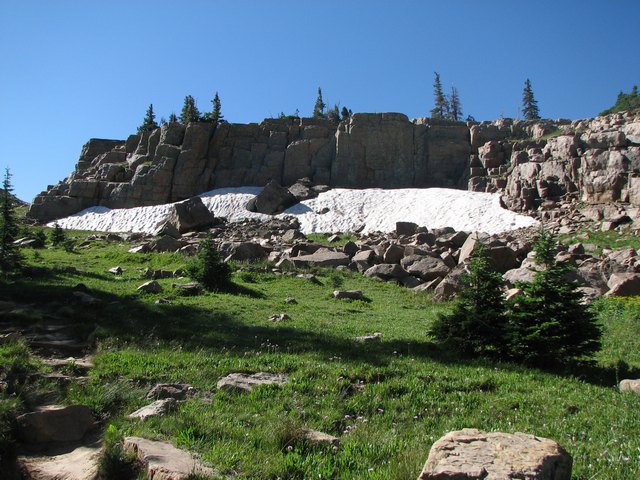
{"points": [[216, 114], [334, 114], [10, 257], [190, 112], [476, 326], [346, 113], [173, 118], [529, 103], [57, 235], [548, 323], [149, 123], [208, 268], [318, 109], [455, 107], [441, 105]]}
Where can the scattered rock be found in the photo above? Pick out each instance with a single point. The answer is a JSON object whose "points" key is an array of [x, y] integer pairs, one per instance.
{"points": [[150, 287], [116, 270], [176, 391], [474, 454], [191, 288], [246, 382], [369, 338], [317, 438], [279, 317], [623, 285], [352, 294], [290, 301], [158, 408], [163, 461], [321, 258], [386, 271], [629, 385]]}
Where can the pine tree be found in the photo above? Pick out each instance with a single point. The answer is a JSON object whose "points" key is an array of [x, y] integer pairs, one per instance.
{"points": [[190, 112], [318, 109], [208, 268], [149, 123], [477, 323], [548, 323], [173, 118], [441, 108], [334, 114], [529, 103], [216, 115], [346, 113], [10, 257], [455, 108]]}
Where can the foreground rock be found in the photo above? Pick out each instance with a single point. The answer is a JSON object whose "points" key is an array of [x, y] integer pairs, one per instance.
{"points": [[177, 391], [245, 382], [81, 463], [163, 461], [159, 408], [629, 385], [472, 454], [55, 423]]}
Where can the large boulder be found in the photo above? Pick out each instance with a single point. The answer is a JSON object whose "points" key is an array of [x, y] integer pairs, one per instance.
{"points": [[472, 454], [189, 215], [55, 423], [273, 199], [429, 268], [624, 285], [321, 258], [386, 271]]}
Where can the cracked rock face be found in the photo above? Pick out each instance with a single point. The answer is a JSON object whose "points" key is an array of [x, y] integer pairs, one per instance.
{"points": [[473, 454]]}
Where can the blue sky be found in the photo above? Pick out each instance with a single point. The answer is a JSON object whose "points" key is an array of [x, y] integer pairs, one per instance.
{"points": [[72, 70]]}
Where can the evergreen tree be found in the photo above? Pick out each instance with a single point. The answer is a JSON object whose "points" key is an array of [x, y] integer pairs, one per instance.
{"points": [[10, 257], [346, 113], [173, 118], [477, 323], [57, 235], [149, 123], [318, 109], [548, 323], [190, 112], [208, 268], [441, 108], [529, 103], [455, 108], [216, 115], [334, 114], [626, 102]]}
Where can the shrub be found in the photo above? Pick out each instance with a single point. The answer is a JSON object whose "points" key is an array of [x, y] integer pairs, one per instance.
{"points": [[477, 323], [548, 324], [57, 235], [208, 268]]}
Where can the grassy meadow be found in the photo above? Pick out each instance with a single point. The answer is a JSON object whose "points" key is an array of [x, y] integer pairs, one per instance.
{"points": [[387, 401]]}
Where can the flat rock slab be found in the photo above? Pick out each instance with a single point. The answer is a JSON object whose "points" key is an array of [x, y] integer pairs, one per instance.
{"points": [[351, 294], [246, 382], [163, 461], [472, 454], [55, 423], [158, 408], [629, 385], [322, 258], [81, 463]]}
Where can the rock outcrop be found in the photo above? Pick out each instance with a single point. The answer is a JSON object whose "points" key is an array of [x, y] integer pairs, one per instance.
{"points": [[532, 163]]}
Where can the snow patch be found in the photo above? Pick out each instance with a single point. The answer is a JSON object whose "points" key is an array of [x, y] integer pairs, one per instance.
{"points": [[347, 210]]}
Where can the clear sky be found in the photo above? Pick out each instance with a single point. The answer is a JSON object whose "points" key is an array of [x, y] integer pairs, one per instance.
{"points": [[76, 69]]}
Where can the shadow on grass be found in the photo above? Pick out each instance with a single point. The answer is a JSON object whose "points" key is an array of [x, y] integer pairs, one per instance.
{"points": [[132, 319]]}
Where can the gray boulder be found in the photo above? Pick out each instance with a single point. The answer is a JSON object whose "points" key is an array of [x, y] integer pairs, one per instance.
{"points": [[187, 216], [429, 268], [55, 423], [386, 271], [273, 199], [321, 258]]}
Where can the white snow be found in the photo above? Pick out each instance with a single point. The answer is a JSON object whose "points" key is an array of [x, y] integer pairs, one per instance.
{"points": [[348, 211]]}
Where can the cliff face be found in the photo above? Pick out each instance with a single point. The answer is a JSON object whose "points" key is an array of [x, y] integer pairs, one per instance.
{"points": [[596, 160]]}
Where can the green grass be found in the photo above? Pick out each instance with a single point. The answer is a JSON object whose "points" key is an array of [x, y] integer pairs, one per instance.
{"points": [[323, 239], [388, 401], [613, 239]]}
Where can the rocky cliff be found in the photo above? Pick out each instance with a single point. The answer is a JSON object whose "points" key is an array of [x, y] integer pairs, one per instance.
{"points": [[530, 162]]}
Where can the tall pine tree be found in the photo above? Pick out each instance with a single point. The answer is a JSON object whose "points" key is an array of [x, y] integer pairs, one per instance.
{"points": [[455, 107], [216, 114], [441, 107], [149, 123], [10, 257], [529, 103], [318, 109], [190, 112]]}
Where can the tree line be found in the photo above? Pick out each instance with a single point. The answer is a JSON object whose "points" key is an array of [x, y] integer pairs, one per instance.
{"points": [[188, 114]]}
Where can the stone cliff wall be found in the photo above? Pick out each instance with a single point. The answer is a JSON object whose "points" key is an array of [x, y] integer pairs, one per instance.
{"points": [[595, 160]]}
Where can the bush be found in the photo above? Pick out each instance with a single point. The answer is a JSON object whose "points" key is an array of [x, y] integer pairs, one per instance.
{"points": [[477, 323], [548, 324], [208, 268], [57, 235]]}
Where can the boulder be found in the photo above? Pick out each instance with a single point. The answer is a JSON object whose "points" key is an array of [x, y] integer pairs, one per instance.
{"points": [[55, 423], [163, 461], [623, 285], [473, 454], [386, 271], [272, 199], [165, 243], [314, 437], [393, 254], [321, 258], [351, 294], [406, 228], [81, 463], [429, 268], [246, 382], [187, 216], [247, 251], [150, 287]]}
